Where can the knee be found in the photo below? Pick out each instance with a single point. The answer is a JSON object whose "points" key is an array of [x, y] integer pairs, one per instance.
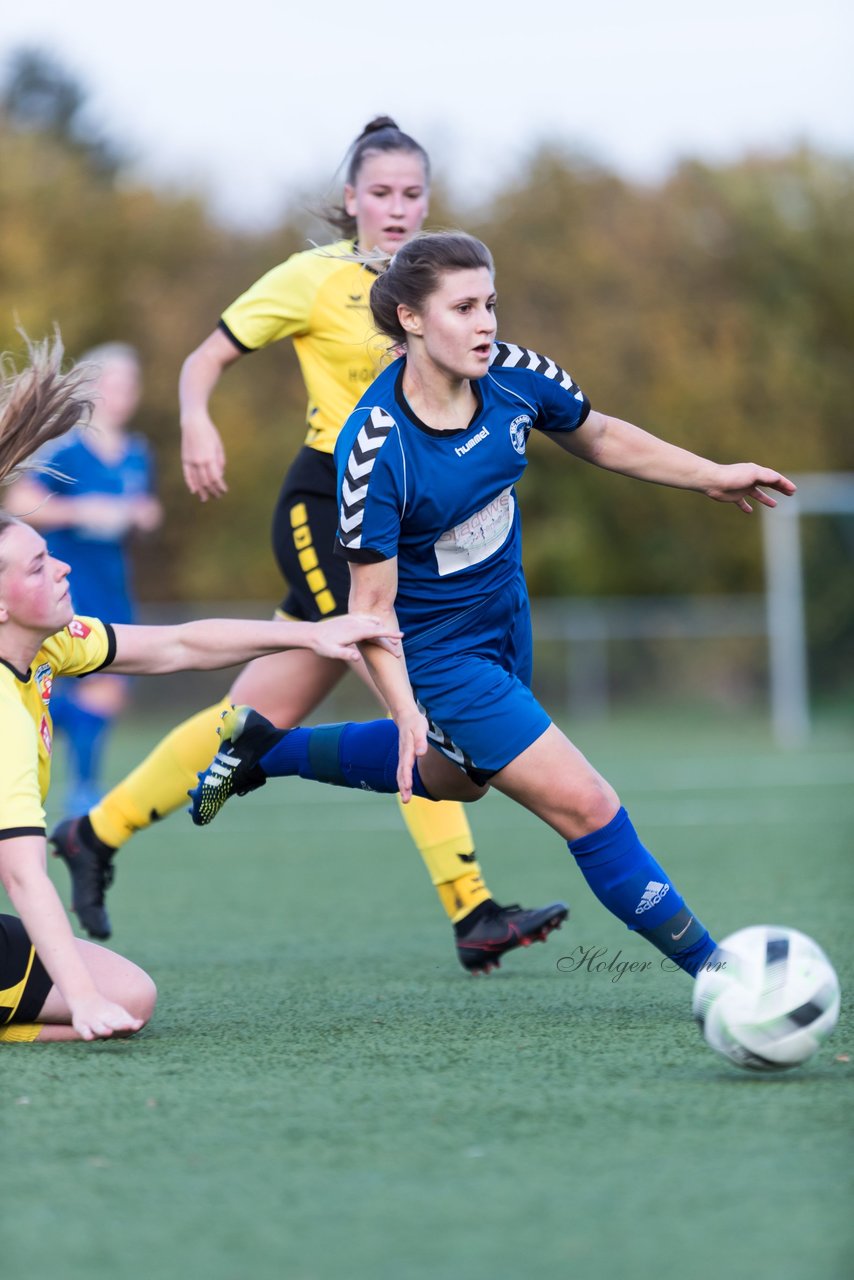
{"points": [[595, 806], [140, 996]]}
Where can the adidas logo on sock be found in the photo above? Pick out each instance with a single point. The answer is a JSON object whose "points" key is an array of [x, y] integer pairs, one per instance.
{"points": [[651, 896]]}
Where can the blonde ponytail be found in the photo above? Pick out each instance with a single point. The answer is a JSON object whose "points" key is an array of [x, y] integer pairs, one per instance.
{"points": [[38, 403]]}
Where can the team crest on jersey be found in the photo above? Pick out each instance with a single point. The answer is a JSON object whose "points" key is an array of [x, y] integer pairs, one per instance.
{"points": [[44, 731], [44, 681], [519, 429], [78, 629]]}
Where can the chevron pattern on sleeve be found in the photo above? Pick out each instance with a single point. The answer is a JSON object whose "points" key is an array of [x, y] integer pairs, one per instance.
{"points": [[506, 355], [357, 475]]}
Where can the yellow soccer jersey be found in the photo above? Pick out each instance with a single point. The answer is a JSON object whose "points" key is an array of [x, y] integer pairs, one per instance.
{"points": [[83, 646], [320, 299]]}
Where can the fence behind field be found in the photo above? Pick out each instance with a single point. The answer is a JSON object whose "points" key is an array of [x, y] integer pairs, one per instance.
{"points": [[591, 655]]}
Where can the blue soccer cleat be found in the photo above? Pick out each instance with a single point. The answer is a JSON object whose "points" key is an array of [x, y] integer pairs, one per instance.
{"points": [[246, 737]]}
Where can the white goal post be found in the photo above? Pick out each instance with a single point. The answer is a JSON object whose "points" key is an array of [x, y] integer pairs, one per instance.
{"points": [[819, 493]]}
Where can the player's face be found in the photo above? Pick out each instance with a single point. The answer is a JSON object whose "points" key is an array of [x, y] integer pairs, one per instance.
{"points": [[458, 323], [34, 592], [117, 393], [389, 199]]}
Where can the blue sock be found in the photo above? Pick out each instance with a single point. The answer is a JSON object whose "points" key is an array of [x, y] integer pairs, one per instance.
{"points": [[85, 733], [629, 882], [363, 756]]}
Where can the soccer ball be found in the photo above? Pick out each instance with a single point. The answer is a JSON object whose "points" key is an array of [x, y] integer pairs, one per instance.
{"points": [[768, 999]]}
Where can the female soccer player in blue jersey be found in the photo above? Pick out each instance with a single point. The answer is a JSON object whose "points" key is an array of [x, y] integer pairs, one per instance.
{"points": [[53, 986], [427, 467], [98, 482], [319, 299]]}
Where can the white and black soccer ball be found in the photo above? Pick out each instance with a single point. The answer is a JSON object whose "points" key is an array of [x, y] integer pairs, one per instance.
{"points": [[768, 999]]}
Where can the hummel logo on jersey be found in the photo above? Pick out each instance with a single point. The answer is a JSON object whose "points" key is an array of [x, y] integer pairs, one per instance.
{"points": [[651, 896], [462, 449]]}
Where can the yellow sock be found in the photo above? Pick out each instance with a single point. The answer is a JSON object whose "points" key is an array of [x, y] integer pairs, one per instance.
{"points": [[462, 895], [20, 1032], [160, 784], [443, 837]]}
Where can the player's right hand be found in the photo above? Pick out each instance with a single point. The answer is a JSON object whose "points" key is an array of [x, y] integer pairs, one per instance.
{"points": [[338, 637], [203, 458], [95, 1018]]}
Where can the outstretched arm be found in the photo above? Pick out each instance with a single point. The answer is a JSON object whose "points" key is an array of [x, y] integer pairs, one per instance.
{"points": [[620, 446], [211, 643], [105, 514]]}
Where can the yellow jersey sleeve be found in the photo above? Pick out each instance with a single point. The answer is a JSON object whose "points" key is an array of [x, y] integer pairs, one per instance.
{"points": [[21, 812], [277, 306], [84, 646], [320, 299], [26, 743]]}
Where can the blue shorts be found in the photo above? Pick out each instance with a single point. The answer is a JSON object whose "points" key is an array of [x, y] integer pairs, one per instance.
{"points": [[471, 678]]}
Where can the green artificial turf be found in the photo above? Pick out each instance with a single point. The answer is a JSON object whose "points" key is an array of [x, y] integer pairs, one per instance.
{"points": [[324, 1093]]}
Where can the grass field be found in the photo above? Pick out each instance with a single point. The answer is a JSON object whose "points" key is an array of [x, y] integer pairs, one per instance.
{"points": [[324, 1093]]}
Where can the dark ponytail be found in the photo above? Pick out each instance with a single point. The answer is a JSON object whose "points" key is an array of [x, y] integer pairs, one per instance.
{"points": [[415, 271], [380, 134]]}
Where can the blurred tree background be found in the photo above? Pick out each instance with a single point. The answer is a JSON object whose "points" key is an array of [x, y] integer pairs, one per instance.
{"points": [[716, 308]]}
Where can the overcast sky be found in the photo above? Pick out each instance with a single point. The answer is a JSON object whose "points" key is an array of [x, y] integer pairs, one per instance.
{"points": [[257, 101]]}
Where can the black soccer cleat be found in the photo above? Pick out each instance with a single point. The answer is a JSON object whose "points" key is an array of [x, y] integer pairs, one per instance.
{"points": [[491, 931], [92, 873], [246, 737]]}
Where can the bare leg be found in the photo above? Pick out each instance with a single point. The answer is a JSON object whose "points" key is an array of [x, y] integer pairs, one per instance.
{"points": [[556, 782], [118, 979], [445, 781], [287, 687]]}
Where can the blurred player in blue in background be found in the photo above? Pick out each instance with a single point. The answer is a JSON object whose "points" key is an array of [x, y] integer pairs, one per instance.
{"points": [[428, 520], [95, 496]]}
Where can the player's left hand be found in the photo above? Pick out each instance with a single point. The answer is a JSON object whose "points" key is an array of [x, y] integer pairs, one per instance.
{"points": [[740, 484], [412, 732], [96, 1018]]}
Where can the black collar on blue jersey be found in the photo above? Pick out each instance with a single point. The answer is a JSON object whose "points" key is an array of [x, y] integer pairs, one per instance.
{"points": [[422, 426]]}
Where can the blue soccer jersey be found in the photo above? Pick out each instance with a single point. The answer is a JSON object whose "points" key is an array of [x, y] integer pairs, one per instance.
{"points": [[443, 501], [100, 574]]}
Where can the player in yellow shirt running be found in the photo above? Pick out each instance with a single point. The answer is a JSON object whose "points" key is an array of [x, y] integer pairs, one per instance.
{"points": [[320, 300], [54, 986]]}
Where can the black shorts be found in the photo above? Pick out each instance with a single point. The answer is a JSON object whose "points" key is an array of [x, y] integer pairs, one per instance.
{"points": [[305, 523], [24, 981]]}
